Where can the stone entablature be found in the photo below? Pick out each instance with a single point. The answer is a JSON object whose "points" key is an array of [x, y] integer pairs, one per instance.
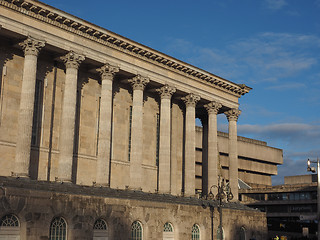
{"points": [[82, 28]]}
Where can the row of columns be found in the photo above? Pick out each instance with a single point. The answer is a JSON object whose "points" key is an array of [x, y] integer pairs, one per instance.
{"points": [[72, 61]]}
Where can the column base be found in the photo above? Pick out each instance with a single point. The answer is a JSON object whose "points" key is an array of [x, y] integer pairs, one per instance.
{"points": [[62, 180], [163, 192], [95, 184], [134, 188], [20, 175]]}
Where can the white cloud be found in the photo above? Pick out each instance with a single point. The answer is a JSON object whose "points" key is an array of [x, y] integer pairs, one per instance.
{"points": [[301, 141], [275, 4], [286, 131], [294, 163], [266, 57]]}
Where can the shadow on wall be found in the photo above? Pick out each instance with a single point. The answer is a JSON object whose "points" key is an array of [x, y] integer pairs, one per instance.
{"points": [[40, 91]]}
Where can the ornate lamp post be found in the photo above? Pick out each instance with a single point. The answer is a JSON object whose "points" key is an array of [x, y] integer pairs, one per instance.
{"points": [[313, 170], [224, 195]]}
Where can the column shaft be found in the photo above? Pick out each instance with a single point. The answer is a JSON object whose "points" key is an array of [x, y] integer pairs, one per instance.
{"points": [[165, 139], [138, 84], [22, 159], [103, 161], [190, 144], [232, 116], [213, 152], [66, 142]]}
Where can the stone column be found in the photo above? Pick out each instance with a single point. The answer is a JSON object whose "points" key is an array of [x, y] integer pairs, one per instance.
{"points": [[232, 116], [165, 139], [190, 144], [31, 49], [107, 73], [72, 61], [138, 84], [213, 153]]}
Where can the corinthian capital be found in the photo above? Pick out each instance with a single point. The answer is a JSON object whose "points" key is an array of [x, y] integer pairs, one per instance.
{"points": [[166, 91], [32, 46], [139, 82], [72, 59], [213, 107], [191, 99], [108, 71], [233, 114]]}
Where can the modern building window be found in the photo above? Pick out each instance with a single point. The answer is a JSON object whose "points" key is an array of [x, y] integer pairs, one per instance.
{"points": [[58, 229], [130, 128], [100, 230], [136, 231], [168, 233], [9, 227], [195, 233], [242, 233]]}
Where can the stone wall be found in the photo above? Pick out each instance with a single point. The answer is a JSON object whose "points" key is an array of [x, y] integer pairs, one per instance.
{"points": [[37, 203]]}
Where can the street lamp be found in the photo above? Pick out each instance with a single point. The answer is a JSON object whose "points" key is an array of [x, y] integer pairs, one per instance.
{"points": [[313, 170], [224, 194]]}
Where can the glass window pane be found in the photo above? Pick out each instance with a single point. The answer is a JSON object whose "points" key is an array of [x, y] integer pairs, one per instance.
{"points": [[58, 229]]}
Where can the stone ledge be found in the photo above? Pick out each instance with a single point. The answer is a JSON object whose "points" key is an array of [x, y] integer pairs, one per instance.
{"points": [[72, 189]]}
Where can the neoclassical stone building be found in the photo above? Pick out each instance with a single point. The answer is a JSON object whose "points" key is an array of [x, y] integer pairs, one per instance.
{"points": [[98, 137]]}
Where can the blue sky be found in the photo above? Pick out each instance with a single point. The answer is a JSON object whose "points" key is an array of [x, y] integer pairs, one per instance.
{"points": [[272, 46]]}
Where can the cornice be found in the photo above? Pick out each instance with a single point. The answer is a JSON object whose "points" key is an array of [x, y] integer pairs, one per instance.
{"points": [[67, 22]]}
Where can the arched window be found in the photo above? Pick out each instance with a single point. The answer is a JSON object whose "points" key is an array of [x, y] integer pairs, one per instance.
{"points": [[100, 230], [168, 233], [242, 233], [136, 231], [58, 229], [9, 227], [9, 221], [195, 233]]}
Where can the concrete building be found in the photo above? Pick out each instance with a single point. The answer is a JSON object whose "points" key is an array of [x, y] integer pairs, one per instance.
{"points": [[291, 208], [98, 137], [257, 161]]}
